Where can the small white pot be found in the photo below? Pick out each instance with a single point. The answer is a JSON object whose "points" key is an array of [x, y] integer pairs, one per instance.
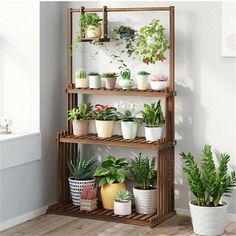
{"points": [[122, 208], [129, 129], [153, 133], [94, 81], [93, 32], [104, 128], [159, 85], [142, 81], [208, 220], [126, 83], [81, 83], [145, 200]]}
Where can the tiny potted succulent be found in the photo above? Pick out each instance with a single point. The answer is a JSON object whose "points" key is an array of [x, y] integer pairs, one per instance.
{"points": [[81, 80], [145, 194], [122, 203], [159, 82], [94, 80], [105, 117], [88, 198], [208, 184], [126, 82], [90, 25], [154, 120], [110, 79], [113, 173], [142, 80], [81, 175], [127, 112], [81, 117]]}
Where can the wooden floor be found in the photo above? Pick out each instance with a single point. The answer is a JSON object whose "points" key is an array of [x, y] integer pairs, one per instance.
{"points": [[57, 225]]}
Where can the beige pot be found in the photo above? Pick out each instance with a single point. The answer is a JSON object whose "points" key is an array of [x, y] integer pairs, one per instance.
{"points": [[104, 128], [81, 83], [110, 83], [94, 32], [80, 127]]}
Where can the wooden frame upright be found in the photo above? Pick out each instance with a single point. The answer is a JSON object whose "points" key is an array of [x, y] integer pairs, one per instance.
{"points": [[67, 143]]}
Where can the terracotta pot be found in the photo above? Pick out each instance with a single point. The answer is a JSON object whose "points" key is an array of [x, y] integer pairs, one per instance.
{"points": [[110, 82], [80, 127], [104, 128]]}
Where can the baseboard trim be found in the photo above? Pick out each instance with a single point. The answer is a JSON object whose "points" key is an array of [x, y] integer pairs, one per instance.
{"points": [[22, 218], [186, 212]]}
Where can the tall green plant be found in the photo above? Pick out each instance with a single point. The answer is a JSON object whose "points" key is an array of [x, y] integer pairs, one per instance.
{"points": [[209, 183]]}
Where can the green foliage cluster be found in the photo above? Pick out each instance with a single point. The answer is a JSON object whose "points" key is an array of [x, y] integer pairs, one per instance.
{"points": [[94, 74], [127, 116], [83, 112], [80, 73], [126, 74], [123, 196], [125, 32], [109, 75], [209, 183], [104, 112], [143, 73]]}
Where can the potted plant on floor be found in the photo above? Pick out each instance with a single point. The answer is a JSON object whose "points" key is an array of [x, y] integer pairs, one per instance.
{"points": [[110, 79], [126, 82], [208, 184], [127, 112], [112, 172], [81, 117], [159, 82], [105, 118], [154, 120], [94, 80], [145, 195], [81, 175], [81, 80], [90, 25], [122, 203], [142, 80], [88, 198]]}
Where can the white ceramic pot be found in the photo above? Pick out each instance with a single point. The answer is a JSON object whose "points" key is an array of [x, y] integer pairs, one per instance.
{"points": [[94, 32], [77, 186], [80, 127], [153, 133], [104, 128], [94, 81], [122, 208], [81, 83], [126, 83], [145, 200], [129, 129], [159, 85], [208, 220], [142, 81]]}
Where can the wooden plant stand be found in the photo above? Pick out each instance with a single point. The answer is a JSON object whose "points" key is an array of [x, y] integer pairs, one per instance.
{"points": [[165, 148]]}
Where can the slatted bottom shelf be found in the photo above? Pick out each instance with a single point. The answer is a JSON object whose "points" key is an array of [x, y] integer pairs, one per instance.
{"points": [[69, 209]]}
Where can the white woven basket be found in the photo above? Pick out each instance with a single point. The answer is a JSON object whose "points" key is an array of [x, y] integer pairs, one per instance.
{"points": [[77, 186]]}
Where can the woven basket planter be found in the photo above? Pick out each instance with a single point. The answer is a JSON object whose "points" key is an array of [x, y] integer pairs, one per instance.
{"points": [[88, 205], [77, 186]]}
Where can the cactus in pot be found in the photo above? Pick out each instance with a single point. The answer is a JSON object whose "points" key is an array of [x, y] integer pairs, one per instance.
{"points": [[81, 80]]}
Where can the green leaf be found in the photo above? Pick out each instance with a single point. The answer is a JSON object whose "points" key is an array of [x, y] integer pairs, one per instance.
{"points": [[102, 182]]}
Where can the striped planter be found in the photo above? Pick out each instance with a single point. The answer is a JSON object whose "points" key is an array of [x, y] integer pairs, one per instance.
{"points": [[77, 186]]}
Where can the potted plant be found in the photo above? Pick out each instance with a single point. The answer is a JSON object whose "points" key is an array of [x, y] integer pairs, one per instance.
{"points": [[208, 184], [112, 173], [110, 79], [94, 80], [80, 118], [142, 80], [90, 25], [81, 80], [122, 203], [159, 82], [105, 117], [5, 126], [125, 32], [145, 195], [88, 199], [81, 175], [154, 120], [127, 113], [126, 82], [152, 42]]}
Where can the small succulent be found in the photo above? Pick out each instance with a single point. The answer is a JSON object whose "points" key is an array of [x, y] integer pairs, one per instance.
{"points": [[109, 75], [143, 73], [80, 74], [94, 74], [125, 74], [89, 193], [123, 196]]}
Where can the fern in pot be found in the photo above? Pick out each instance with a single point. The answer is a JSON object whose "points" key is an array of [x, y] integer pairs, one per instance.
{"points": [[81, 176], [154, 120], [122, 203], [208, 184]]}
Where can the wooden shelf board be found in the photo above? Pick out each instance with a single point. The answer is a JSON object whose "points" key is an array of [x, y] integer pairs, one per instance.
{"points": [[117, 140], [95, 40], [69, 209]]}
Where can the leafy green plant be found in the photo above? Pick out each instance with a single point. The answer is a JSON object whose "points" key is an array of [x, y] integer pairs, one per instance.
{"points": [[109, 75], [152, 42], [126, 75], [209, 183], [125, 32], [123, 196], [143, 73], [112, 170], [94, 74], [144, 171], [153, 115], [82, 169], [83, 112], [81, 74], [104, 112]]}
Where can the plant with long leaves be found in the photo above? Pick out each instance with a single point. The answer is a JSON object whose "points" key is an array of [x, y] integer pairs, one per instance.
{"points": [[83, 112], [104, 112], [209, 183]]}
